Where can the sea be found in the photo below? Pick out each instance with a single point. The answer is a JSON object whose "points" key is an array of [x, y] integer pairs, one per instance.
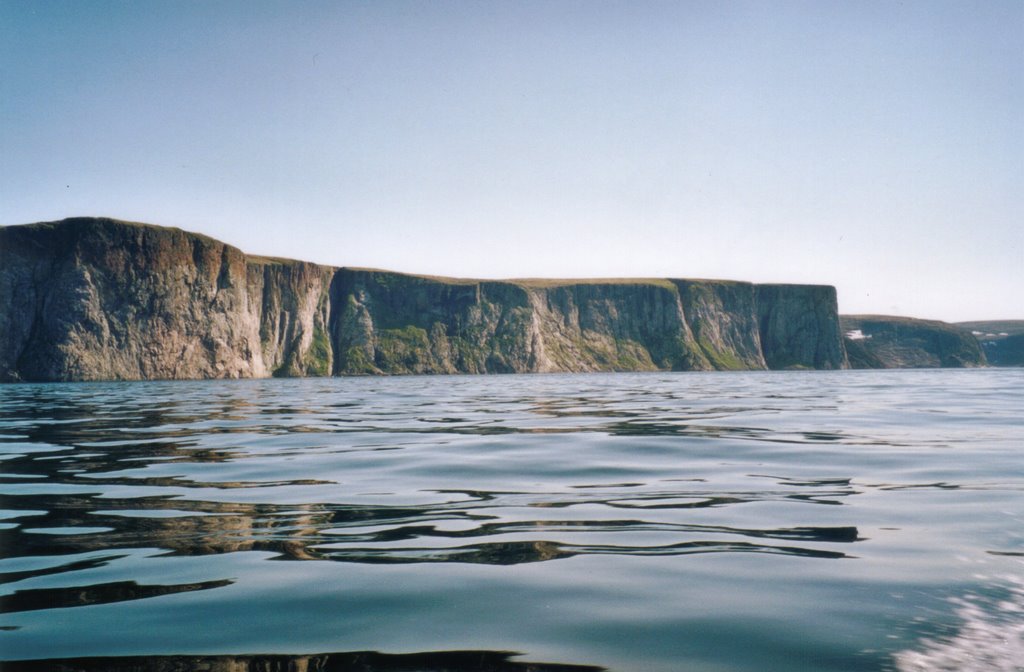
{"points": [[630, 522]]}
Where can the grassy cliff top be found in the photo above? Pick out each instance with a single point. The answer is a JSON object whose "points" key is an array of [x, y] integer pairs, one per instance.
{"points": [[1009, 327], [534, 283], [71, 223], [545, 283], [851, 322], [79, 223], [276, 261]]}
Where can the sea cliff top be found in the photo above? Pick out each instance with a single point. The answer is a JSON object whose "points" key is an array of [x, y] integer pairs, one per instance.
{"points": [[79, 224]]}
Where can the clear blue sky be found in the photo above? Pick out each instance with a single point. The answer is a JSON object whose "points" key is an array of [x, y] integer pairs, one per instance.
{"points": [[875, 146]]}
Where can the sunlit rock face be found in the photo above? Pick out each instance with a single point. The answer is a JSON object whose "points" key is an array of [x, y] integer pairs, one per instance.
{"points": [[101, 299], [886, 342], [98, 299]]}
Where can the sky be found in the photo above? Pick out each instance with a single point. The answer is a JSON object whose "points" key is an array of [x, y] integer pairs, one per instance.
{"points": [[874, 146]]}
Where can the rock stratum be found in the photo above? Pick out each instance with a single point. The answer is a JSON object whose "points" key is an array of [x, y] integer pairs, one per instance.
{"points": [[102, 299]]}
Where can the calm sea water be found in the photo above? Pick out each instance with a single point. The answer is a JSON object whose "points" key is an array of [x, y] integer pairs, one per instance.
{"points": [[854, 520]]}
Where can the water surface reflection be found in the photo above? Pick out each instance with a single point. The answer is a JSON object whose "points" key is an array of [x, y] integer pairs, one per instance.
{"points": [[640, 522], [360, 661]]}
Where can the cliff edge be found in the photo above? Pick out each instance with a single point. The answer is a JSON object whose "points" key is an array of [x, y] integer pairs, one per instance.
{"points": [[102, 299]]}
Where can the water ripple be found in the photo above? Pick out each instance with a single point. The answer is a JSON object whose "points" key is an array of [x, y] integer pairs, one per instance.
{"points": [[360, 661], [637, 521]]}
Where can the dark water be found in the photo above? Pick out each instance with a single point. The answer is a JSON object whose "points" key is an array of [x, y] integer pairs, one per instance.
{"points": [[633, 522]]}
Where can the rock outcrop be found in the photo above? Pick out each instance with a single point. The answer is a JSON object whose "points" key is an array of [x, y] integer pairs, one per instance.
{"points": [[101, 299], [887, 342]]}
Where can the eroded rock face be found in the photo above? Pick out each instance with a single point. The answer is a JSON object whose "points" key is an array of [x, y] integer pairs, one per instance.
{"points": [[294, 315], [607, 326], [886, 342], [800, 327], [393, 323], [99, 299], [723, 317]]}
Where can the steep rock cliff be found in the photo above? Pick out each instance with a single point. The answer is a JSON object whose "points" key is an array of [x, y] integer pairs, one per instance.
{"points": [[800, 327], [887, 342], [1002, 341], [723, 318], [393, 323], [624, 325], [99, 299], [92, 299], [293, 299], [409, 324]]}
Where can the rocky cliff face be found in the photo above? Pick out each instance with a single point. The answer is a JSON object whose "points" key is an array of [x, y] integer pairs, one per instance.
{"points": [[885, 342], [294, 315], [724, 319], [1002, 341], [97, 299], [391, 323], [799, 326]]}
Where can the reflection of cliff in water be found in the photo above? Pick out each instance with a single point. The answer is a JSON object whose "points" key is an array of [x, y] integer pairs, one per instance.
{"points": [[360, 661], [102, 593], [84, 445], [369, 533]]}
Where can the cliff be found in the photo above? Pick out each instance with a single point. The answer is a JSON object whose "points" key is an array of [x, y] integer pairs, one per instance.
{"points": [[887, 342], [100, 299], [1001, 340], [97, 299]]}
